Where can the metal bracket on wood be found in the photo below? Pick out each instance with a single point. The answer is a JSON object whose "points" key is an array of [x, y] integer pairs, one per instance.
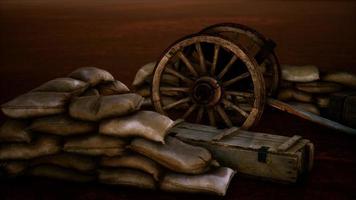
{"points": [[262, 154]]}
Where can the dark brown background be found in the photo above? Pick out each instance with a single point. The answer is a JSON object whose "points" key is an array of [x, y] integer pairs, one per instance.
{"points": [[44, 39]]}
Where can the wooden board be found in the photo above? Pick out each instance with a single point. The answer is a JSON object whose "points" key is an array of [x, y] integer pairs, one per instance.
{"points": [[310, 116], [286, 158], [342, 108]]}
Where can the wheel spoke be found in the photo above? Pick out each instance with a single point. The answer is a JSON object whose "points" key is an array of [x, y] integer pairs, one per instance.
{"points": [[176, 103], [235, 107], [201, 58], [174, 89], [215, 59], [263, 66], [237, 78], [189, 111], [200, 114], [247, 107], [188, 64], [224, 116], [240, 94], [211, 117], [179, 75], [227, 67]]}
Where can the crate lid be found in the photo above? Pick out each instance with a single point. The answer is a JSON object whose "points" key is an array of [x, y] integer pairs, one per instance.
{"points": [[240, 138]]}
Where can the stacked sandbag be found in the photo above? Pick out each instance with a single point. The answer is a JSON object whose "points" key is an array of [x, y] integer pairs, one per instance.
{"points": [[89, 127], [143, 81], [307, 88], [52, 131], [142, 85], [154, 157]]}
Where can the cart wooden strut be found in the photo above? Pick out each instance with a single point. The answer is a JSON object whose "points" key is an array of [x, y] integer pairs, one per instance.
{"points": [[223, 76]]}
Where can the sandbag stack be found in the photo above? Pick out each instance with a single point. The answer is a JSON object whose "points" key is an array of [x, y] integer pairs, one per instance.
{"points": [[309, 89], [156, 160], [90, 127], [143, 82]]}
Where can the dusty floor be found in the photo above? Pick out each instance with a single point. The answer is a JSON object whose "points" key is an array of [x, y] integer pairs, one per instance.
{"points": [[44, 39]]}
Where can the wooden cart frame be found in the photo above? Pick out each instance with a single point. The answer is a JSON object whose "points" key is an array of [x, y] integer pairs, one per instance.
{"points": [[222, 76]]}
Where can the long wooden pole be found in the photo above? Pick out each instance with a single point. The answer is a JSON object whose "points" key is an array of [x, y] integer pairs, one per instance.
{"points": [[310, 116]]}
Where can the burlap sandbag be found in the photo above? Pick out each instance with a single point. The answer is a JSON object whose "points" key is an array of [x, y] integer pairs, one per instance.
{"points": [[92, 75], [36, 104], [68, 85], [62, 125], [15, 131], [112, 88], [143, 74], [147, 124], [126, 177], [293, 94], [146, 103], [90, 92], [319, 87], [344, 78], [323, 102], [95, 145], [55, 172], [170, 80], [13, 167], [306, 73], [95, 108], [67, 160], [144, 91], [134, 161], [306, 106], [286, 84], [174, 155], [166, 100], [214, 182], [45, 145]]}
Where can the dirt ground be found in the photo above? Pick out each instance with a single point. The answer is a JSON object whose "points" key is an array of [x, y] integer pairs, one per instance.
{"points": [[44, 39]]}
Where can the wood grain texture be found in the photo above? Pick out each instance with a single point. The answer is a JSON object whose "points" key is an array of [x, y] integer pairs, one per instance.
{"points": [[55, 37], [285, 157]]}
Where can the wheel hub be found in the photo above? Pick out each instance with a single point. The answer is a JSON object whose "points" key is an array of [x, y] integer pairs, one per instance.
{"points": [[206, 91]]}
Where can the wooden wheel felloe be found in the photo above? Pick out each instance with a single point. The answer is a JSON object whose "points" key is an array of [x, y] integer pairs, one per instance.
{"points": [[256, 45], [215, 82]]}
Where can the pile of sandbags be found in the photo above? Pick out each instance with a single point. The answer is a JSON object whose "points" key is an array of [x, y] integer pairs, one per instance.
{"points": [[143, 82], [90, 127], [309, 89]]}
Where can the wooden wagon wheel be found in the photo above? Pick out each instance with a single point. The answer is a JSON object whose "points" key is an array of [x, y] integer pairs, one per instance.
{"points": [[257, 46], [217, 83]]}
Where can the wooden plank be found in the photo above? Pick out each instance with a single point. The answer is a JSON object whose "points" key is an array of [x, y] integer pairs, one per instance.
{"points": [[225, 133], [299, 145], [203, 129], [278, 167], [198, 127], [310, 116], [208, 136], [253, 142], [290, 142], [310, 151]]}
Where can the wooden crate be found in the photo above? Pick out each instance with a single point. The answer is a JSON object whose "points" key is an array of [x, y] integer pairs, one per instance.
{"points": [[342, 108], [266, 156]]}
